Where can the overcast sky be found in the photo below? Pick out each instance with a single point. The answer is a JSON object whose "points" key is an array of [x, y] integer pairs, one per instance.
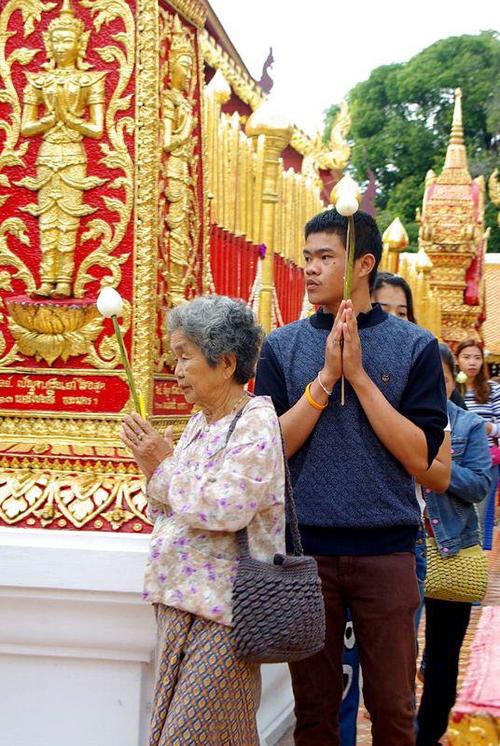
{"points": [[324, 47]]}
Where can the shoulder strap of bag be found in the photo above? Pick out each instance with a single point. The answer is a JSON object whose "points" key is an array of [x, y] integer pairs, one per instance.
{"points": [[290, 511]]}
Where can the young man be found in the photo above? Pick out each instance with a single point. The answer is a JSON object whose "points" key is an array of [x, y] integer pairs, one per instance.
{"points": [[353, 468]]}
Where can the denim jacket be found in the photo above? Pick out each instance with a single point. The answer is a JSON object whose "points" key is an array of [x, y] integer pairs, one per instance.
{"points": [[452, 516]]}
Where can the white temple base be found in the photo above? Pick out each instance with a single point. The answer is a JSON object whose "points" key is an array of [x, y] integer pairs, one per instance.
{"points": [[77, 643]]}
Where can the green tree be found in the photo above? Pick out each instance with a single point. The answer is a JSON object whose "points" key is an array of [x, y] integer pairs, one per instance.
{"points": [[401, 120]]}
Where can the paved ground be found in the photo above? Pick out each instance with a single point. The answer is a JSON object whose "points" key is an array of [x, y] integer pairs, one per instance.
{"points": [[492, 599]]}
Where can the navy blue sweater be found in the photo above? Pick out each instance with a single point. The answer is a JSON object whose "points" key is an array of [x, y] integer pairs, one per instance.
{"points": [[353, 496]]}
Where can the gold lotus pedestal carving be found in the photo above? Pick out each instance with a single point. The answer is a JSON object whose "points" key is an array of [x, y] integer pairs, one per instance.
{"points": [[46, 330]]}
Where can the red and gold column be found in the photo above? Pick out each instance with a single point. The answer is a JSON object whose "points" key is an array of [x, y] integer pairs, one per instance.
{"points": [[101, 183]]}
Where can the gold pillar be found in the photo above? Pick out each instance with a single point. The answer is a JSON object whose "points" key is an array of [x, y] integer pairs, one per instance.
{"points": [[277, 133]]}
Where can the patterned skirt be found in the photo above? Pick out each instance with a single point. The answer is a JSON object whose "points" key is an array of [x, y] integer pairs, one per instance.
{"points": [[203, 694]]}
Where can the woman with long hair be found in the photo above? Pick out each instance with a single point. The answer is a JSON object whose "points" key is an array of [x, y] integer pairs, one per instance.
{"points": [[452, 523], [482, 396], [394, 295]]}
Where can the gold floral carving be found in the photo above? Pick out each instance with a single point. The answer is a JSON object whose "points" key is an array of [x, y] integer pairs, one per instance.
{"points": [[55, 427], [310, 162], [80, 497], [72, 481], [115, 154], [58, 428], [14, 227], [74, 494]]}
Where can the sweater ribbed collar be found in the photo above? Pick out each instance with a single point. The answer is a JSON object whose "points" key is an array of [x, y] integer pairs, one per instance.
{"points": [[374, 316]]}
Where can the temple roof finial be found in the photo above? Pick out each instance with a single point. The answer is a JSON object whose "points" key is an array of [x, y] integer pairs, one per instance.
{"points": [[455, 169], [457, 127]]}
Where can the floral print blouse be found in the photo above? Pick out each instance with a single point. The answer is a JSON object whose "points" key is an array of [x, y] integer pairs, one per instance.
{"points": [[205, 492]]}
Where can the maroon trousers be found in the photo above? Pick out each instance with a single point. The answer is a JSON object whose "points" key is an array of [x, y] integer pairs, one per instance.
{"points": [[382, 593]]}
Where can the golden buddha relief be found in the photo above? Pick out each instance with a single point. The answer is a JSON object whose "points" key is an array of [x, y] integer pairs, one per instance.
{"points": [[63, 105], [182, 223]]}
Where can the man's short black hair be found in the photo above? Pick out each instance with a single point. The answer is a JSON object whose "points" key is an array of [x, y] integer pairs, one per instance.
{"points": [[368, 238]]}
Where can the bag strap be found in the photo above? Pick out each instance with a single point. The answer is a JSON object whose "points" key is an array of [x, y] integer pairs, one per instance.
{"points": [[290, 510]]}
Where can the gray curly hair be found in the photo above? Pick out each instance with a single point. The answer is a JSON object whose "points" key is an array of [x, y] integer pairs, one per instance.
{"points": [[219, 326]]}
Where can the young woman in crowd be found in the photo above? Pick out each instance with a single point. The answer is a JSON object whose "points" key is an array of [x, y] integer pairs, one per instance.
{"points": [[483, 397], [452, 522], [394, 295]]}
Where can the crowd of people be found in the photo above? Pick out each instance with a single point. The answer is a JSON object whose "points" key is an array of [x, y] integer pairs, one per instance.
{"points": [[390, 463]]}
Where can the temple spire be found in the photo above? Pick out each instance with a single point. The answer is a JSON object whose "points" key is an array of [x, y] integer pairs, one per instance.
{"points": [[457, 127], [456, 170]]}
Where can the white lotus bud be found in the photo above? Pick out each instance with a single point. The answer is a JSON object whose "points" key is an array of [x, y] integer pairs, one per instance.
{"points": [[109, 303], [346, 185], [461, 377], [347, 204]]}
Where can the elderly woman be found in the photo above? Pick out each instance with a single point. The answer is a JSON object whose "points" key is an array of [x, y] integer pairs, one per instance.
{"points": [[200, 493]]}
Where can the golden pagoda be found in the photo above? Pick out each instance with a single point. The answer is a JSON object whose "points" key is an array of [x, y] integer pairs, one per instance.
{"points": [[451, 231]]}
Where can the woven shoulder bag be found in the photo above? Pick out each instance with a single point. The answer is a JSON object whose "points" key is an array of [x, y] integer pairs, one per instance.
{"points": [[463, 577], [278, 608]]}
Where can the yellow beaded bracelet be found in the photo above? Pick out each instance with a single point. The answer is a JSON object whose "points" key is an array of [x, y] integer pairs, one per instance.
{"points": [[311, 401]]}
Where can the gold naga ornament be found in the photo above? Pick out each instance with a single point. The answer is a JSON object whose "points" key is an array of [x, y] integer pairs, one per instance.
{"points": [[332, 156], [494, 190]]}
